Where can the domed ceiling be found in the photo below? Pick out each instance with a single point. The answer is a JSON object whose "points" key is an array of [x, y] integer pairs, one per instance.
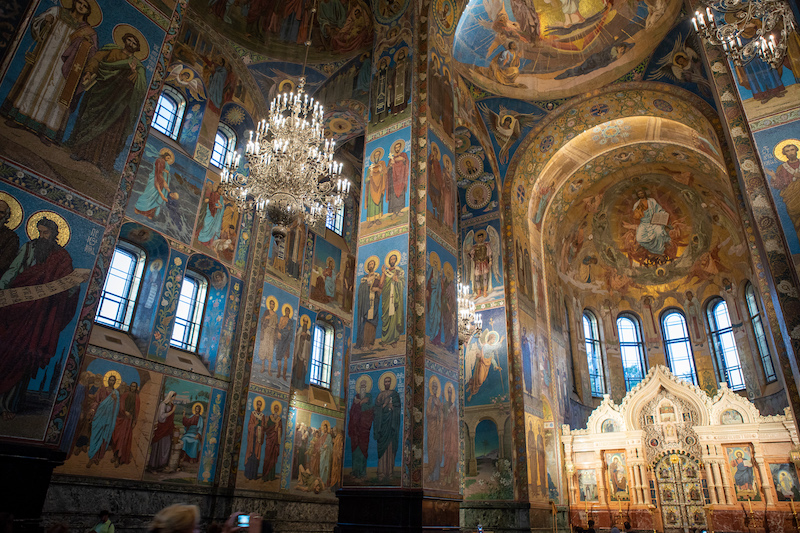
{"points": [[548, 49], [277, 29]]}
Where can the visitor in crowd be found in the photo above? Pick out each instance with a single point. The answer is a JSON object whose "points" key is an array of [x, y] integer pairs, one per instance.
{"points": [[178, 518], [104, 525], [590, 529]]}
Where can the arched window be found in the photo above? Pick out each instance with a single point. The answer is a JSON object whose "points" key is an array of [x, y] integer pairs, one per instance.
{"points": [[335, 220], [678, 346], [169, 112], [568, 335], [631, 348], [224, 145], [593, 354], [322, 355], [189, 314], [759, 334], [724, 344], [121, 287]]}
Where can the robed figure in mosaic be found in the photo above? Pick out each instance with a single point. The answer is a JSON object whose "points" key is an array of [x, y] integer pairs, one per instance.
{"points": [[361, 417], [388, 411]]}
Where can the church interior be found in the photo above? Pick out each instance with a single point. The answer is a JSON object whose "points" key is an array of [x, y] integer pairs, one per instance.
{"points": [[618, 198]]}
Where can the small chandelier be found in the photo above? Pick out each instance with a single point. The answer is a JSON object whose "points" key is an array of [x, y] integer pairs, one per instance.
{"points": [[752, 31], [292, 169], [469, 323]]}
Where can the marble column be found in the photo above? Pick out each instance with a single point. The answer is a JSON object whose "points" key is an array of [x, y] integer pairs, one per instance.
{"points": [[730, 498], [712, 486]]}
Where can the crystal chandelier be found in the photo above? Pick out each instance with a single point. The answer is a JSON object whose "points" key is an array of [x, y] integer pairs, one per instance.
{"points": [[469, 323], [292, 166], [747, 29]]}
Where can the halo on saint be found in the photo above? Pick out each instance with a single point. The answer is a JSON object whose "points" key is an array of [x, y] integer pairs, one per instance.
{"points": [[286, 86], [326, 425], [305, 319], [395, 253], [450, 389], [364, 379], [63, 228], [167, 153], [390, 375], [402, 144], [396, 54], [447, 269], [200, 405], [16, 211], [778, 151], [95, 16], [285, 307], [121, 30], [277, 404], [435, 262], [446, 161], [271, 299], [431, 381], [259, 399], [116, 375], [377, 155], [489, 333], [372, 258]]}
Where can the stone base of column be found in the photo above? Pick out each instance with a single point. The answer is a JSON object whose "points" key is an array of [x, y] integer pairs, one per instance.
{"points": [[396, 511], [26, 477], [500, 517]]}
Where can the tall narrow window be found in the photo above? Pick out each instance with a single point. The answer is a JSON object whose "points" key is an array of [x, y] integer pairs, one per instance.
{"points": [[189, 314], [169, 112], [593, 354], [224, 145], [568, 335], [632, 349], [335, 220], [322, 355], [759, 334], [118, 298], [724, 343], [678, 346]]}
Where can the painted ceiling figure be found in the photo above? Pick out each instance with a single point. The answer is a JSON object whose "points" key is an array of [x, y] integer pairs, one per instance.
{"points": [[598, 60]]}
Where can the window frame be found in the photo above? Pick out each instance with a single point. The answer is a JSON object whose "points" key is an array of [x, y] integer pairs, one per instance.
{"points": [[321, 368], [597, 352], [717, 332], [756, 326], [133, 287], [638, 344], [668, 343], [194, 323], [173, 95], [335, 221], [225, 131]]}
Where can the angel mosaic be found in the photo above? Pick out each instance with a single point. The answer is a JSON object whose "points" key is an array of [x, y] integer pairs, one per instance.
{"points": [[481, 255], [507, 126], [682, 65], [185, 78]]}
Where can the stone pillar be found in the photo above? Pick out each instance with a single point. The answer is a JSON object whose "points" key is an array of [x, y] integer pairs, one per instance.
{"points": [[404, 363], [712, 486]]}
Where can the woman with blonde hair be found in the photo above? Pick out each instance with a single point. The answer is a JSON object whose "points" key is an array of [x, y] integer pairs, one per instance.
{"points": [[178, 518]]}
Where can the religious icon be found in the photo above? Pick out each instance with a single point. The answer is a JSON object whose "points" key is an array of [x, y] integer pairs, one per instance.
{"points": [[481, 257]]}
